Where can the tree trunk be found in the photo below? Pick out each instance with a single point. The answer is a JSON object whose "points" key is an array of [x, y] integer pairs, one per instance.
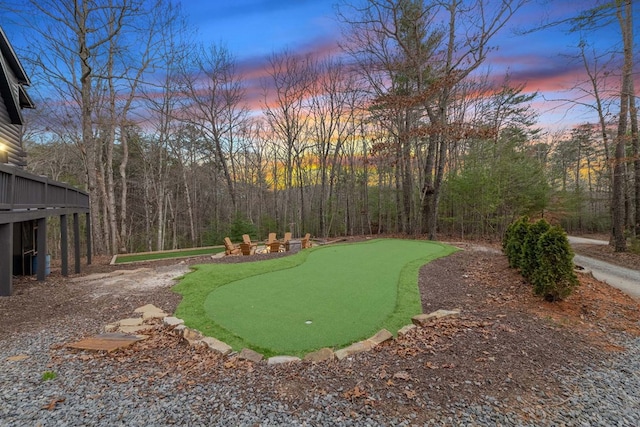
{"points": [[187, 194], [124, 142], [88, 142], [635, 143], [618, 200]]}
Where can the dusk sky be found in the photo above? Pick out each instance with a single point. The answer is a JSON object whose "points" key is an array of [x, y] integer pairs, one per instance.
{"points": [[254, 29]]}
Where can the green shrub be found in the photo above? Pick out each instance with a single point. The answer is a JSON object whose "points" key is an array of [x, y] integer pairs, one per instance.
{"points": [[513, 241], [268, 225], [507, 235], [240, 226], [214, 233], [529, 260], [554, 278]]}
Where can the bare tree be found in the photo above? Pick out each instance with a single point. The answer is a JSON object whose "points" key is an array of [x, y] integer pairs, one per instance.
{"points": [[84, 57], [285, 108], [331, 112], [625, 20], [401, 42], [74, 34], [604, 15], [215, 103]]}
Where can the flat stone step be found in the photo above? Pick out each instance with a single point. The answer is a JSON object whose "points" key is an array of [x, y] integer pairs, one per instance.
{"points": [[106, 342]]}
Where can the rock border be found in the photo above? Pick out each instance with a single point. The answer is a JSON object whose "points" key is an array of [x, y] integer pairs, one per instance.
{"points": [[194, 337]]}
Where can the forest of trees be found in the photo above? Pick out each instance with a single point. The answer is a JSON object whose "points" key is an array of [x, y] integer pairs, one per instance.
{"points": [[399, 132]]}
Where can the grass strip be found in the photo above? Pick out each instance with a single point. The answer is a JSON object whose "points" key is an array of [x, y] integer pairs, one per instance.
{"points": [[151, 256]]}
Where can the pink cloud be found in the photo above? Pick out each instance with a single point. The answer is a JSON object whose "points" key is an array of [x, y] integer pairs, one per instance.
{"points": [[256, 70], [546, 74]]}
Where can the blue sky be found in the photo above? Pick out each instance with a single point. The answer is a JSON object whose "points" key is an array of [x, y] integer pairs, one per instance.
{"points": [[255, 29], [259, 27]]}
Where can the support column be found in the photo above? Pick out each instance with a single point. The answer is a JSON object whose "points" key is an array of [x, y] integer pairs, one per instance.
{"points": [[41, 244], [6, 259], [89, 250], [64, 245], [76, 243]]}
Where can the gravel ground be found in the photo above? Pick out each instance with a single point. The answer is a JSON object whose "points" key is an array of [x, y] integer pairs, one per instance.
{"points": [[438, 376], [84, 393]]}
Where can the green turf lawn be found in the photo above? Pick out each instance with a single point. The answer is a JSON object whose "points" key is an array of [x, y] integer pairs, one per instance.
{"points": [[150, 256], [348, 292]]}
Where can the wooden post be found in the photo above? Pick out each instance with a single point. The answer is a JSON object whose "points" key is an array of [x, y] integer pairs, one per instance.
{"points": [[6, 259], [88, 225], [64, 245], [76, 242], [41, 243]]}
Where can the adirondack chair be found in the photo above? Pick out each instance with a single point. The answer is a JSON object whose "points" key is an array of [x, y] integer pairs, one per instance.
{"points": [[306, 241], [273, 244], [230, 248], [272, 238], [247, 247]]}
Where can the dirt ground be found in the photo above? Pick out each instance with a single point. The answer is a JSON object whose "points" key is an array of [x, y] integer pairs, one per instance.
{"points": [[505, 344]]}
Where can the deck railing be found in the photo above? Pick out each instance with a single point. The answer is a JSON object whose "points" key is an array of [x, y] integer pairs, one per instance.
{"points": [[21, 190]]}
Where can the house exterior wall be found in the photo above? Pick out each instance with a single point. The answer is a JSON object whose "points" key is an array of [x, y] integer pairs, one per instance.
{"points": [[11, 134]]}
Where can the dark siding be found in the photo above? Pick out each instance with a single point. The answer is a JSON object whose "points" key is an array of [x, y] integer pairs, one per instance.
{"points": [[10, 134]]}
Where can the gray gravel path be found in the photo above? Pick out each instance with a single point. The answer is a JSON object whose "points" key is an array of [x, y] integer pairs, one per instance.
{"points": [[605, 394]]}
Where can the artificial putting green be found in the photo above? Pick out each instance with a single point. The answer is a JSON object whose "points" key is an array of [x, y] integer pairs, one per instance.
{"points": [[328, 296]]}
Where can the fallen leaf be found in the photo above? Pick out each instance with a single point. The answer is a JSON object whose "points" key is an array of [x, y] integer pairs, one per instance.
{"points": [[17, 358], [354, 393], [402, 375], [52, 405], [370, 401]]}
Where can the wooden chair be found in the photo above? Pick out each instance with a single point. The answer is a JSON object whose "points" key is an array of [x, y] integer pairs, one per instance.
{"points": [[275, 247], [306, 241], [287, 237], [230, 248], [270, 241], [246, 246], [272, 238]]}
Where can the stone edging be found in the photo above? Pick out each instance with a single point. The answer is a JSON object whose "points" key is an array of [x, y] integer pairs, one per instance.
{"points": [[194, 337]]}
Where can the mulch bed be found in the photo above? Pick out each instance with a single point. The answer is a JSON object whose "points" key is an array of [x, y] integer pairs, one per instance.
{"points": [[505, 344]]}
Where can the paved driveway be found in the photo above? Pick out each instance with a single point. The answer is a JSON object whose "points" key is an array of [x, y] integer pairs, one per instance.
{"points": [[625, 279]]}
